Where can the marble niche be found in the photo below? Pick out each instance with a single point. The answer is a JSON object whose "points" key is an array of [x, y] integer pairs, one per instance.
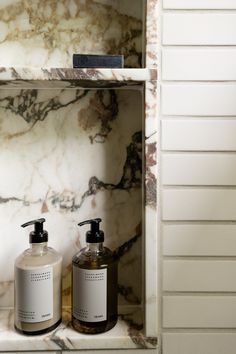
{"points": [[68, 155]]}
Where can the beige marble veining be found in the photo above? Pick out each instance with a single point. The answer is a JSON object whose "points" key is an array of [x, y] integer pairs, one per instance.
{"points": [[70, 155], [46, 33], [132, 8]]}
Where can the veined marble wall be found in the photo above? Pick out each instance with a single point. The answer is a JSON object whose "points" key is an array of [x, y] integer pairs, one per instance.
{"points": [[46, 33], [69, 155]]}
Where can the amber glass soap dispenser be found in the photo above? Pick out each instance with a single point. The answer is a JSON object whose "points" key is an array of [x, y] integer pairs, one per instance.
{"points": [[38, 284], [94, 283]]}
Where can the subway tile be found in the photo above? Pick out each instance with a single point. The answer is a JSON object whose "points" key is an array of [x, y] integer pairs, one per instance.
{"points": [[199, 135], [199, 28], [199, 275], [201, 311], [199, 168], [199, 204], [199, 343], [198, 99], [199, 64], [199, 239]]}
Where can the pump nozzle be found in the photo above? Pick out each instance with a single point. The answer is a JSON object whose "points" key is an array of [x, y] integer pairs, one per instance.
{"points": [[39, 234], [95, 234]]}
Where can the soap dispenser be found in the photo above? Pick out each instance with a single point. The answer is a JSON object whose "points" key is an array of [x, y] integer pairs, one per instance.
{"points": [[38, 284], [94, 284]]}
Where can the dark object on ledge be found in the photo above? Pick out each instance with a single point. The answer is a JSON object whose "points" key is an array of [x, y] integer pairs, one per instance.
{"points": [[98, 61]]}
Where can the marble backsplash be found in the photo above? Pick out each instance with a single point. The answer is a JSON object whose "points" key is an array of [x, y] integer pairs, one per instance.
{"points": [[46, 33], [68, 155]]}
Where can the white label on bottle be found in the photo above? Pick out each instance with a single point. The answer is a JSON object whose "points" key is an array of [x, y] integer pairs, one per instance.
{"points": [[90, 294], [34, 294]]}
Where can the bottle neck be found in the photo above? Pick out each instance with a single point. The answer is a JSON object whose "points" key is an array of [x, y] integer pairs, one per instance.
{"points": [[95, 247], [38, 248]]}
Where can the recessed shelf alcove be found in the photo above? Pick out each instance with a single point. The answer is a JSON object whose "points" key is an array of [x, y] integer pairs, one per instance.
{"points": [[79, 143]]}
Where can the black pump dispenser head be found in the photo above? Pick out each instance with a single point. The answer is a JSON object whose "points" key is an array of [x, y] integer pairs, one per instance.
{"points": [[39, 235], [95, 235]]}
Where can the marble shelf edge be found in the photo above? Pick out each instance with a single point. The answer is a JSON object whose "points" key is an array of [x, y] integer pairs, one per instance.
{"points": [[150, 208], [124, 335], [72, 78], [151, 34], [151, 173]]}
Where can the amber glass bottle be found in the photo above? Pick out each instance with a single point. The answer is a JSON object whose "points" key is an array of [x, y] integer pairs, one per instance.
{"points": [[94, 284]]}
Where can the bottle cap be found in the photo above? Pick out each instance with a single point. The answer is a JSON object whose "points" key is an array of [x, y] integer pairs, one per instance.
{"points": [[95, 235], [39, 235]]}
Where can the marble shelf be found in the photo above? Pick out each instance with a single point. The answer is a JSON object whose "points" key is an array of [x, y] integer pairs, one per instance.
{"points": [[71, 78], [126, 334]]}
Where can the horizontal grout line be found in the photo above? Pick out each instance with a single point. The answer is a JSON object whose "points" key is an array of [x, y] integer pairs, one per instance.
{"points": [[198, 11], [199, 293], [197, 152], [199, 46], [198, 222], [199, 258], [197, 187], [198, 81], [203, 117], [200, 330], [189, 117]]}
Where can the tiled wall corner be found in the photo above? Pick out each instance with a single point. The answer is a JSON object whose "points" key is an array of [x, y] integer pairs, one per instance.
{"points": [[198, 176]]}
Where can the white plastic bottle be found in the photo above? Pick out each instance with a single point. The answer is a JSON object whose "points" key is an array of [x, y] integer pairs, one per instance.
{"points": [[38, 284]]}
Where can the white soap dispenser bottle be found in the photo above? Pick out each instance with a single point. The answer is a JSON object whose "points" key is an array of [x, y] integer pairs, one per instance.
{"points": [[38, 284]]}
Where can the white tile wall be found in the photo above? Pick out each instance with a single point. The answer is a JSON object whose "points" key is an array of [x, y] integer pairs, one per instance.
{"points": [[198, 176]]}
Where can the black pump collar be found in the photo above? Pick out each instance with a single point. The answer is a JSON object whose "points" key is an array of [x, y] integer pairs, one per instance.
{"points": [[95, 235], [39, 235]]}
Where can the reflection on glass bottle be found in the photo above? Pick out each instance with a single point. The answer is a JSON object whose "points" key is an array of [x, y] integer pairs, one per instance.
{"points": [[94, 284], [38, 284]]}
